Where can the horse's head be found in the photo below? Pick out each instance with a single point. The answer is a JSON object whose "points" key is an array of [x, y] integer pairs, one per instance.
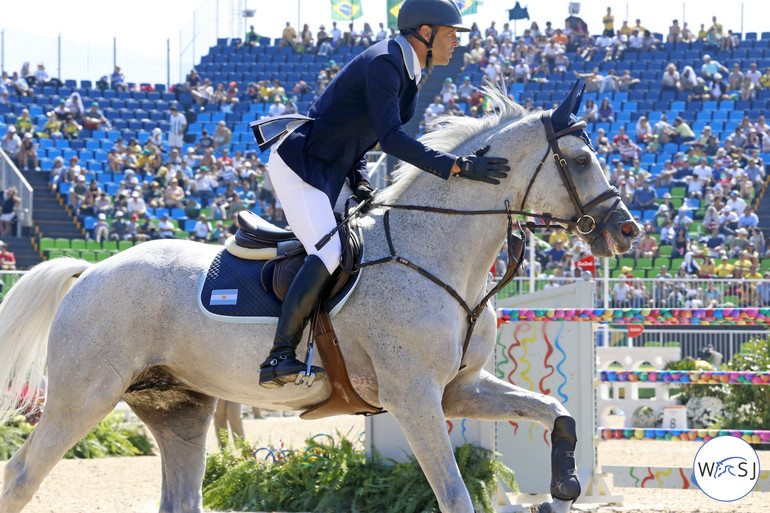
{"points": [[568, 182]]}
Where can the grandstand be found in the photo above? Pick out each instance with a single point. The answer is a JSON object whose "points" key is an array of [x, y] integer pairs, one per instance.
{"points": [[135, 113]]}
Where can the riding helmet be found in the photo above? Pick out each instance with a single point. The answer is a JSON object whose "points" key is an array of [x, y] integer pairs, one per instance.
{"points": [[415, 13]]}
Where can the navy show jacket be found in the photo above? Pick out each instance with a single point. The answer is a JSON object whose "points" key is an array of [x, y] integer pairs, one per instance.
{"points": [[367, 102]]}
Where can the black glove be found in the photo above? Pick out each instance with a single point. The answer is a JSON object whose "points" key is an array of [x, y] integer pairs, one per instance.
{"points": [[484, 169], [364, 192]]}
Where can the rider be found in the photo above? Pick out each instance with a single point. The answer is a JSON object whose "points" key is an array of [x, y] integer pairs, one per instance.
{"points": [[366, 103]]}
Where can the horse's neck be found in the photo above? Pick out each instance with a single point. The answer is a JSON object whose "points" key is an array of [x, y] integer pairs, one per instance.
{"points": [[459, 249]]}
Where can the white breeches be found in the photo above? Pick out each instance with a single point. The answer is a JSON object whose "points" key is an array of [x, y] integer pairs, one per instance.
{"points": [[307, 210]]}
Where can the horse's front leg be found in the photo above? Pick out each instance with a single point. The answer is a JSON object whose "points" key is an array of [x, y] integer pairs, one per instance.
{"points": [[415, 403], [484, 397]]}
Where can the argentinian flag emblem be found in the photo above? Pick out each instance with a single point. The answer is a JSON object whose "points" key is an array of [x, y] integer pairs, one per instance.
{"points": [[224, 297]]}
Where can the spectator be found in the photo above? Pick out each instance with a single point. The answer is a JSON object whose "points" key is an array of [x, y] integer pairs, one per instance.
{"points": [[606, 112], [71, 129], [222, 136], [206, 142], [202, 229], [747, 89], [101, 229], [629, 151], [75, 105], [277, 108], [609, 23], [118, 80], [177, 128], [762, 291], [204, 93], [11, 204], [683, 130], [20, 85], [621, 292], [11, 145], [93, 119], [754, 74], [24, 125], [204, 186], [670, 78], [725, 268], [736, 203], [674, 33], [7, 258], [609, 82], [590, 111], [643, 130], [465, 91], [173, 194], [647, 247], [27, 152], [645, 197], [289, 37], [687, 79], [711, 66]]}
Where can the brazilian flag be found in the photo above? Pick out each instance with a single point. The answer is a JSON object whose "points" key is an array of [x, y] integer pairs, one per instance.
{"points": [[346, 9], [393, 7], [467, 6]]}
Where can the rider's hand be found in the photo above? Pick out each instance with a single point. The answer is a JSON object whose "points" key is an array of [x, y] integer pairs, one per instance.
{"points": [[364, 192], [484, 169]]}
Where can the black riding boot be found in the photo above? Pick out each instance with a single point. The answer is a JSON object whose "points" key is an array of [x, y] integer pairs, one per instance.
{"points": [[564, 481], [301, 300]]}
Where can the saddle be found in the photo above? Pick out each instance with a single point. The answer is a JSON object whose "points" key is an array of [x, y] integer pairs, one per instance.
{"points": [[257, 239]]}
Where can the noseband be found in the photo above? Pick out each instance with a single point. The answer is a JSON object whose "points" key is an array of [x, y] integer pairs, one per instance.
{"points": [[586, 224]]}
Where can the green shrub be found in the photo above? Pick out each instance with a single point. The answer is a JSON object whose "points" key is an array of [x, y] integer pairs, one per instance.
{"points": [[111, 437], [337, 477], [748, 406]]}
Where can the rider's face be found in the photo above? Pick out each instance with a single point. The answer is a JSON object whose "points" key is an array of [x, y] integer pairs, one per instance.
{"points": [[443, 45]]}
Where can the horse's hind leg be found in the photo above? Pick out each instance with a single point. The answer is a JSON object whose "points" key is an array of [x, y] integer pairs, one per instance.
{"points": [[71, 410], [488, 398], [179, 420]]}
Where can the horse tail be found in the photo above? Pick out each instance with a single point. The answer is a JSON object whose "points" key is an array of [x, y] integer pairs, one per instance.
{"points": [[26, 315]]}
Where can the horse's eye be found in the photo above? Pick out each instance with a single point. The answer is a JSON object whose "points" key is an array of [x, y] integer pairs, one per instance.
{"points": [[581, 160]]}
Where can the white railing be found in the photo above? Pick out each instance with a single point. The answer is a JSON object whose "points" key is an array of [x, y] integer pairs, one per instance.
{"points": [[10, 176]]}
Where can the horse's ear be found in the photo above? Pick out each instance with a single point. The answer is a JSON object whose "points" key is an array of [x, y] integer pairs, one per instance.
{"points": [[579, 100], [561, 115]]}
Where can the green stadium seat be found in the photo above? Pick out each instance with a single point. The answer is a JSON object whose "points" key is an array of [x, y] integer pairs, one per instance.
{"points": [[88, 256], [109, 245], [54, 253], [644, 263], [47, 243], [665, 251], [92, 245], [78, 244], [62, 243], [103, 255], [124, 244]]}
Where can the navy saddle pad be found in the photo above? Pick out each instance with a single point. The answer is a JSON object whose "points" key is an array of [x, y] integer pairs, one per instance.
{"points": [[231, 291]]}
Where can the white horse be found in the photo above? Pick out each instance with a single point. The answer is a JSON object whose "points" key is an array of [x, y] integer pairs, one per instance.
{"points": [[130, 327]]}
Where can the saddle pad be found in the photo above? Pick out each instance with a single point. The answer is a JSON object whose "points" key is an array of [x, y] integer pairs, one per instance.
{"points": [[231, 291]]}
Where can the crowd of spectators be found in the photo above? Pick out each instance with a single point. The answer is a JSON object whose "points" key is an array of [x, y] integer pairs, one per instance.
{"points": [[720, 179]]}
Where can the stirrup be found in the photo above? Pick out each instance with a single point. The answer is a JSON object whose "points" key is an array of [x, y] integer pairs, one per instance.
{"points": [[307, 377]]}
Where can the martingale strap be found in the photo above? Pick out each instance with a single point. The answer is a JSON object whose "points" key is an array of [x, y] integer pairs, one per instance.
{"points": [[515, 253]]}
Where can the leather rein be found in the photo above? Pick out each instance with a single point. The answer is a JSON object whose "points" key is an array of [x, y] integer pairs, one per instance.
{"points": [[586, 225]]}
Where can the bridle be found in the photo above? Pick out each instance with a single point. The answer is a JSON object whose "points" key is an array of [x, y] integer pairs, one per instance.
{"points": [[585, 224]]}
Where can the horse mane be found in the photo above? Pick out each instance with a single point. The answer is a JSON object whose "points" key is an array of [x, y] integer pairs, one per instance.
{"points": [[452, 131]]}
